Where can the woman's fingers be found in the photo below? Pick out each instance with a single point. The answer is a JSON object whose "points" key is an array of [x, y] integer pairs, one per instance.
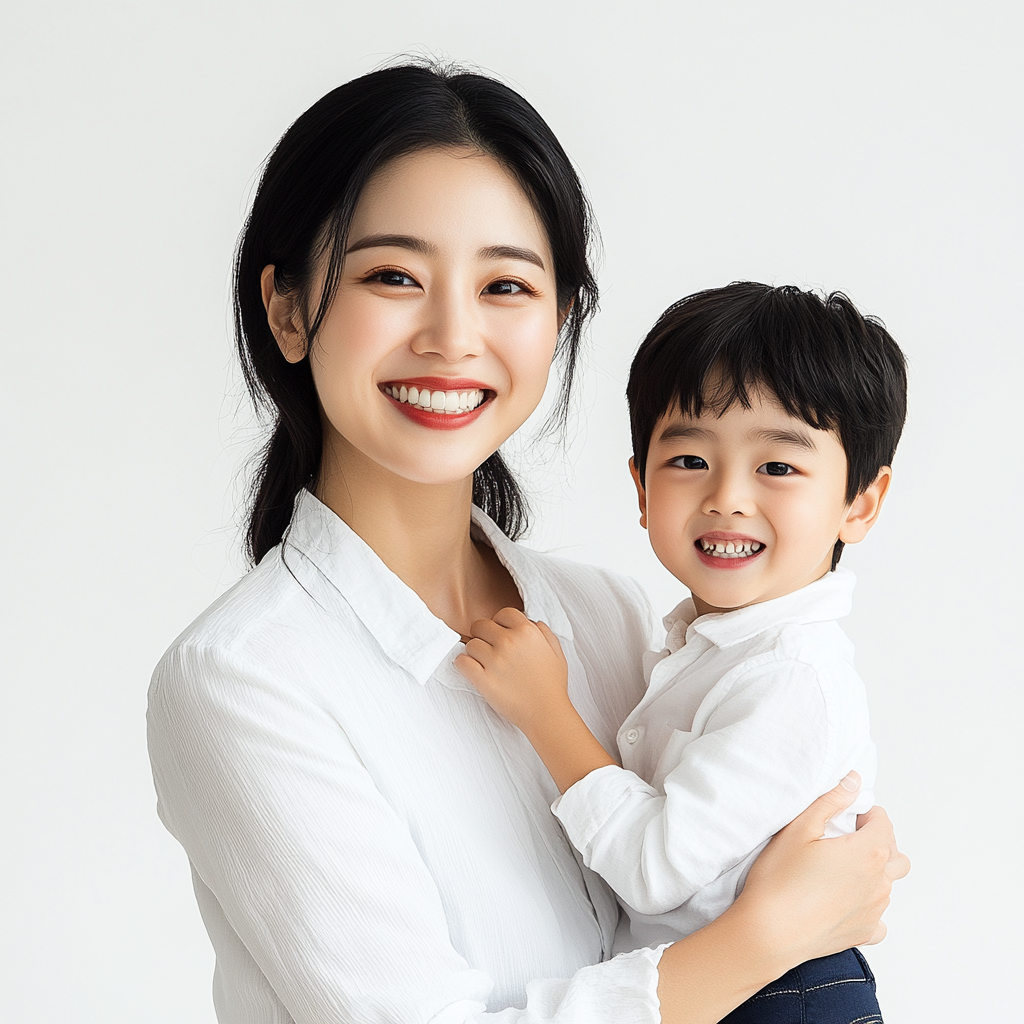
{"points": [[876, 822], [823, 895], [811, 823]]}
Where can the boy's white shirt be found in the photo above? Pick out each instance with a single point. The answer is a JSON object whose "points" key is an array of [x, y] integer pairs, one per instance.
{"points": [[749, 715]]}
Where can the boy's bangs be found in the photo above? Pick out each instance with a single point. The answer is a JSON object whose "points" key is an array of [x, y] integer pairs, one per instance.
{"points": [[732, 380]]}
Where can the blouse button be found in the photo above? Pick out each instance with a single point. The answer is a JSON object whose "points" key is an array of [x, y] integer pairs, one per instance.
{"points": [[632, 735]]}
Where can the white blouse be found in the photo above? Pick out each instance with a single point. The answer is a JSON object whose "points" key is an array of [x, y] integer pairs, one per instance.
{"points": [[369, 841]]}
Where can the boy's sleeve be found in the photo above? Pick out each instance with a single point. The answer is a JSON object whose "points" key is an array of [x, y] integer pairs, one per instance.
{"points": [[776, 741]]}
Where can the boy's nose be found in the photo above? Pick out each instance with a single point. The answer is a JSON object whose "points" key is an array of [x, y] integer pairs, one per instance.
{"points": [[727, 497]]}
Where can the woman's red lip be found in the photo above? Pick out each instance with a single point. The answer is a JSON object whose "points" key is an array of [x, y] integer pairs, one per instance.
{"points": [[438, 383]]}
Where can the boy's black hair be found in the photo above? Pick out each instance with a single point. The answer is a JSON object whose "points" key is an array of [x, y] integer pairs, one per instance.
{"points": [[825, 363]]}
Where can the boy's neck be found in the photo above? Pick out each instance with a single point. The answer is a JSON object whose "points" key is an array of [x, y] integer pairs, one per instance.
{"points": [[703, 608]]}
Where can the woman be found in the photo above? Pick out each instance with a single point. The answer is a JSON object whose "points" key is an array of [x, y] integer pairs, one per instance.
{"points": [[368, 841]]}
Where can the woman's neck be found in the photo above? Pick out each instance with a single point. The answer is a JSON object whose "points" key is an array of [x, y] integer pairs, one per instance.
{"points": [[421, 532]]}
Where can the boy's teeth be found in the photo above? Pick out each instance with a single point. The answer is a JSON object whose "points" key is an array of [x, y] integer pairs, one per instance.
{"points": [[729, 548], [436, 401]]}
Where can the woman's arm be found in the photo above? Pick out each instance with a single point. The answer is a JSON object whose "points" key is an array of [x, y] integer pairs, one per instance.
{"points": [[805, 897]]}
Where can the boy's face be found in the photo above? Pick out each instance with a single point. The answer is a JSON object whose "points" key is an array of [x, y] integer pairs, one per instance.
{"points": [[747, 506]]}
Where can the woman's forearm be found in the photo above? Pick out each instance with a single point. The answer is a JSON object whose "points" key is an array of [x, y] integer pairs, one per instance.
{"points": [[708, 974]]}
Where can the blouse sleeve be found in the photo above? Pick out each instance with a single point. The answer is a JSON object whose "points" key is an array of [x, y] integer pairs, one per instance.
{"points": [[314, 871], [766, 751]]}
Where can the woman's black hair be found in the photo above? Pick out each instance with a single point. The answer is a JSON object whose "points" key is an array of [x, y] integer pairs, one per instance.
{"points": [[822, 360], [301, 215]]}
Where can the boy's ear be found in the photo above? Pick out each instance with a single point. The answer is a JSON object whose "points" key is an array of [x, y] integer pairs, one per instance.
{"points": [[282, 317], [863, 512], [640, 492]]}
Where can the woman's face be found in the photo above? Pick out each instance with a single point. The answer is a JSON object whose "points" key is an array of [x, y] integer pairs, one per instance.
{"points": [[447, 301]]}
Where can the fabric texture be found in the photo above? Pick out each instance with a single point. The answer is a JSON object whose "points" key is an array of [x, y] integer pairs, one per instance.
{"points": [[369, 842], [838, 989], [748, 717]]}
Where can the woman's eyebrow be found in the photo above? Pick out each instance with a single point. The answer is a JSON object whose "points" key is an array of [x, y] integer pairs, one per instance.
{"points": [[510, 252], [410, 242]]}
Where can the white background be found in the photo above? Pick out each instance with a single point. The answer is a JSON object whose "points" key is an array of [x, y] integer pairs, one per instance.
{"points": [[870, 147]]}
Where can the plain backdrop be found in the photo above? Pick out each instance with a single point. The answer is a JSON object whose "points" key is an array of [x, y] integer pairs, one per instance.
{"points": [[872, 147]]}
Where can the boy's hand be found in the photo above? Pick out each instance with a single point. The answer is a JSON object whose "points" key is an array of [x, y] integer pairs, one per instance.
{"points": [[518, 667]]}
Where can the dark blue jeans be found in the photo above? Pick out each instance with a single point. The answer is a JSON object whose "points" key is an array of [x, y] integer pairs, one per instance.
{"points": [[837, 989]]}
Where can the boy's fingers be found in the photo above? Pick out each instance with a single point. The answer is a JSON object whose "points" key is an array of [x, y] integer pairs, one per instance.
{"points": [[826, 807], [478, 652], [486, 630], [550, 637], [467, 665], [510, 617]]}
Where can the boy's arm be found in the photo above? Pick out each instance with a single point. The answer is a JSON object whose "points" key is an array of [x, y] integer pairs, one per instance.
{"points": [[772, 743], [518, 667]]}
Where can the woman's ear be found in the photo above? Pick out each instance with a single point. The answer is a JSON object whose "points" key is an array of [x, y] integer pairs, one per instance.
{"points": [[865, 508], [563, 314], [283, 318], [640, 492]]}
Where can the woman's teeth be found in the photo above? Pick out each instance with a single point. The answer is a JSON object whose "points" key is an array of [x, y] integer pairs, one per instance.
{"points": [[730, 549], [436, 401]]}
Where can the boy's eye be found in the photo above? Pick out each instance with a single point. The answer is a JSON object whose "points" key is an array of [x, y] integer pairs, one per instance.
{"points": [[776, 469], [690, 462]]}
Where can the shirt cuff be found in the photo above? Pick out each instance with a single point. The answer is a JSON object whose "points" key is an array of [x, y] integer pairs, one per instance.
{"points": [[584, 808]]}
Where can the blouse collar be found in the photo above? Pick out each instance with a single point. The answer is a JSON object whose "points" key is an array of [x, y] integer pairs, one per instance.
{"points": [[406, 630]]}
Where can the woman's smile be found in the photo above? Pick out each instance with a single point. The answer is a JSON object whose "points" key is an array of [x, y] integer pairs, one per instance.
{"points": [[438, 402]]}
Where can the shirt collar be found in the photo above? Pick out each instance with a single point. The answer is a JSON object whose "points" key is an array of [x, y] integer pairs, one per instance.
{"points": [[826, 599], [406, 630]]}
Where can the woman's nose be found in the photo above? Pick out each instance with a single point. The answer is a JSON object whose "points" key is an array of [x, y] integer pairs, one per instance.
{"points": [[451, 328]]}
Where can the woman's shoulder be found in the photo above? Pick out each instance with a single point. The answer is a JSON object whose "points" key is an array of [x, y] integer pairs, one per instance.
{"points": [[241, 632]]}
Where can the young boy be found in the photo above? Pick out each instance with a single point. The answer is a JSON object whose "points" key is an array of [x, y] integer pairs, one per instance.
{"points": [[764, 422]]}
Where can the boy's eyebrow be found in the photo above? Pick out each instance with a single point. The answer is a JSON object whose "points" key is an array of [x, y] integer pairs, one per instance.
{"points": [[791, 438], [681, 432]]}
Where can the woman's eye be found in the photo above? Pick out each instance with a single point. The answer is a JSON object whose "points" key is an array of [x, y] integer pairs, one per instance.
{"points": [[776, 469], [504, 288], [393, 278], [690, 462]]}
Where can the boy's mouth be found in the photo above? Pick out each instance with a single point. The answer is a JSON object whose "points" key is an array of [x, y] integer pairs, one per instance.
{"points": [[727, 552]]}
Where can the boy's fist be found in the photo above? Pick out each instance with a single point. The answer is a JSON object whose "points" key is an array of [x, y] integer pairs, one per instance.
{"points": [[517, 665]]}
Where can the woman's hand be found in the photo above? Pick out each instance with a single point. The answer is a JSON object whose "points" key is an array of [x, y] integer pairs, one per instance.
{"points": [[819, 896], [804, 897]]}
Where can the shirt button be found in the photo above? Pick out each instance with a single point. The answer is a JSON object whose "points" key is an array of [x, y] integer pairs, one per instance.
{"points": [[632, 735]]}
